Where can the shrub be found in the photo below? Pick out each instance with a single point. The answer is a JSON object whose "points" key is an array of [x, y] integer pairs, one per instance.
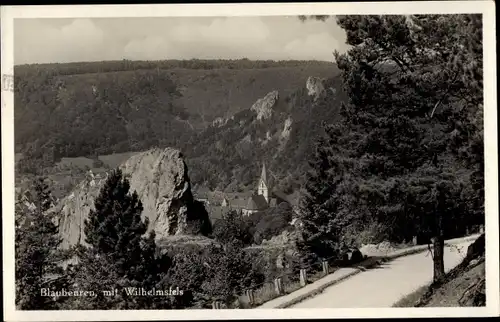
{"points": [[231, 228]]}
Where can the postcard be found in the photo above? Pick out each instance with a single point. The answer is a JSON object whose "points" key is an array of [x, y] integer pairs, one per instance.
{"points": [[231, 161]]}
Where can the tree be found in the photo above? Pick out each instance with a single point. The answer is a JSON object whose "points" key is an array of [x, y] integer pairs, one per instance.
{"points": [[118, 256], [232, 228], [230, 270], [415, 88], [188, 273], [273, 222], [321, 205], [36, 250]]}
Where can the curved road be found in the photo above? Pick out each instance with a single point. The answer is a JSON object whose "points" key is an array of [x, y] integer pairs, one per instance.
{"points": [[385, 285]]}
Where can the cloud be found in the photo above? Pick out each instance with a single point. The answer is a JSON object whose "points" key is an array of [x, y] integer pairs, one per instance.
{"points": [[79, 40], [57, 40], [236, 31], [317, 46], [150, 48]]}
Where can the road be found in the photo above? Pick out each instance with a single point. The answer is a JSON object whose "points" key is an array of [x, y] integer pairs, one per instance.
{"points": [[385, 285]]}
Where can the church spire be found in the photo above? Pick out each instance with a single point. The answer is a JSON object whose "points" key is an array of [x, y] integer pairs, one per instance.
{"points": [[263, 175], [263, 188]]}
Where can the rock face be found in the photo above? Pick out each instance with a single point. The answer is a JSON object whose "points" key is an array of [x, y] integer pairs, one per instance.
{"points": [[315, 87], [287, 129], [264, 106], [220, 121], [161, 181]]}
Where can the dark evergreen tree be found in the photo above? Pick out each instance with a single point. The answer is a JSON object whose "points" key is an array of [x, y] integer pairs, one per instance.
{"points": [[36, 250], [324, 198], [118, 255], [414, 86], [415, 90]]}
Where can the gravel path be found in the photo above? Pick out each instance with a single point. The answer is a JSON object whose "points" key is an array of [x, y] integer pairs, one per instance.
{"points": [[385, 285]]}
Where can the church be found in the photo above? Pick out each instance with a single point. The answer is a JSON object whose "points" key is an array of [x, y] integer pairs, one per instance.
{"points": [[263, 199]]}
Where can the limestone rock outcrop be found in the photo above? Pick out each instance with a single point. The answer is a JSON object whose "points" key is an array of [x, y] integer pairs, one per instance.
{"points": [[264, 106], [219, 121], [159, 177], [287, 128], [315, 87]]}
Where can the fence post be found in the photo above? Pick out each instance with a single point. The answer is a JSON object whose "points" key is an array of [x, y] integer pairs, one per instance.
{"points": [[278, 285], [414, 240], [326, 269], [215, 305], [467, 232], [481, 229], [303, 277], [249, 294]]}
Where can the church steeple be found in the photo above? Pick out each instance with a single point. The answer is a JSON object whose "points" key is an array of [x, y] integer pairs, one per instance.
{"points": [[263, 175], [262, 188]]}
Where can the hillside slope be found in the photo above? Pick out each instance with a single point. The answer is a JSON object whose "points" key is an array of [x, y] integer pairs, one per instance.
{"points": [[96, 111], [229, 156]]}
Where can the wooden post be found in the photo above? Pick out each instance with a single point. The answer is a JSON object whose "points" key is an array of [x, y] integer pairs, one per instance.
{"points": [[414, 240], [249, 294], [216, 305], [481, 229], [278, 285], [303, 277], [326, 269]]}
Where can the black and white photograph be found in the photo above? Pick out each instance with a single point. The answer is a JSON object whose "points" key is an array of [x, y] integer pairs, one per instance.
{"points": [[203, 161]]}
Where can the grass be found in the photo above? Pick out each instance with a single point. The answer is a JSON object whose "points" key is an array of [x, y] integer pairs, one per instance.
{"points": [[411, 299], [449, 294], [115, 159], [266, 293], [81, 162]]}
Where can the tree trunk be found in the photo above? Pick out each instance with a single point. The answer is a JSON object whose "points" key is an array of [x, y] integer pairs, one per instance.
{"points": [[438, 258]]}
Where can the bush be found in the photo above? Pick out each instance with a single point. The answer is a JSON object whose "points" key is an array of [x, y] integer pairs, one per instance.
{"points": [[272, 222], [232, 228]]}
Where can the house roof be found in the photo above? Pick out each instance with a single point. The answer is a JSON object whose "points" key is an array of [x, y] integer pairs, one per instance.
{"points": [[202, 192], [215, 213], [238, 203], [257, 202]]}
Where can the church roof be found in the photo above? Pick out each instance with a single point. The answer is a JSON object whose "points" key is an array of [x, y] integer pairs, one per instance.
{"points": [[256, 202], [280, 195]]}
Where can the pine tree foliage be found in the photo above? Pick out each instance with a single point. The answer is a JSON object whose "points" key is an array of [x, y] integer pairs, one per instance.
{"points": [[119, 255], [37, 258], [411, 131], [325, 197]]}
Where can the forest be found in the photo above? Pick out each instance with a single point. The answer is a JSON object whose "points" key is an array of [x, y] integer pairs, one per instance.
{"points": [[87, 114]]}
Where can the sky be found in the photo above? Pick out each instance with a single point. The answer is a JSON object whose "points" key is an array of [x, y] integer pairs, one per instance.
{"points": [[58, 40]]}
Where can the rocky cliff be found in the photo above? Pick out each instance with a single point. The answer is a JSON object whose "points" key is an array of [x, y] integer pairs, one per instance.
{"points": [[161, 180], [315, 87], [264, 106]]}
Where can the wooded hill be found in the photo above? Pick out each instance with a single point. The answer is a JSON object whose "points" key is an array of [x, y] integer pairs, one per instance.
{"points": [[101, 108]]}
